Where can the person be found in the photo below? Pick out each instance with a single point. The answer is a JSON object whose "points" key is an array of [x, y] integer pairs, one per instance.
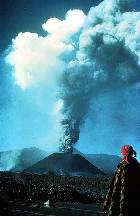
{"points": [[123, 197]]}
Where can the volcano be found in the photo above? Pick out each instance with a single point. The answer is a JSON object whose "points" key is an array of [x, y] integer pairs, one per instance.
{"points": [[64, 164]]}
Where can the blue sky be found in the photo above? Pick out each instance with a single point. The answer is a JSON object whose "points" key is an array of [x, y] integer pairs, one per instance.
{"points": [[28, 15], [25, 118]]}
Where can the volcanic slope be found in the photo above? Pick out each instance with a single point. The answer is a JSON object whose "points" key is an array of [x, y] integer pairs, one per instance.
{"points": [[107, 163], [64, 164]]}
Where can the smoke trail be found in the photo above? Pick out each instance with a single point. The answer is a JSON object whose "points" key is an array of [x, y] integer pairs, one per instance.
{"points": [[8, 159], [91, 58], [104, 62]]}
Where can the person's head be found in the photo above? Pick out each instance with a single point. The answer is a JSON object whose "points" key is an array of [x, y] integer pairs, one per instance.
{"points": [[128, 152]]}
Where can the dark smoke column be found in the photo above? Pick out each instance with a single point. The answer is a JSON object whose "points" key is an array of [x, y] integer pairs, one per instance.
{"points": [[70, 136], [75, 92]]}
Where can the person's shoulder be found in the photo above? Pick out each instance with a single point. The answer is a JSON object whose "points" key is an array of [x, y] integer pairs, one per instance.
{"points": [[121, 166], [135, 161], [133, 166]]}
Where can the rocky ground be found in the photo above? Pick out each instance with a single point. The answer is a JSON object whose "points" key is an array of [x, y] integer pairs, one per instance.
{"points": [[25, 194], [20, 208]]}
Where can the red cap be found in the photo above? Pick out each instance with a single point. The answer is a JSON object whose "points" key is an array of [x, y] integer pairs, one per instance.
{"points": [[126, 150]]}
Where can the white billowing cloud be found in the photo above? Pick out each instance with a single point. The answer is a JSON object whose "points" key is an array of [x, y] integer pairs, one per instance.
{"points": [[35, 58], [65, 28], [52, 25]]}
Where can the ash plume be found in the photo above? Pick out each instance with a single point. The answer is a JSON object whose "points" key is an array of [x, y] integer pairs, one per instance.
{"points": [[93, 63], [104, 62]]}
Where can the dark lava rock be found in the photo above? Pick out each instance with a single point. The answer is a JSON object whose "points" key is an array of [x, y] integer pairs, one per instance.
{"points": [[65, 164]]}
